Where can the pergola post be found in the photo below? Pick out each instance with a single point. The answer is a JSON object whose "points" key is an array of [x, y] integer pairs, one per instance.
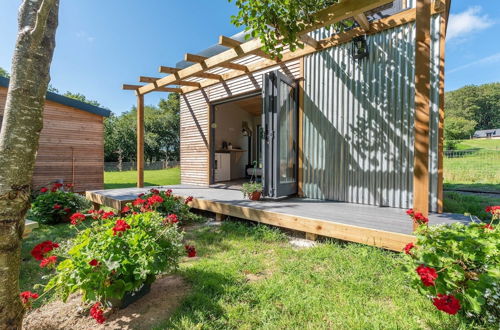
{"points": [[422, 108], [140, 140]]}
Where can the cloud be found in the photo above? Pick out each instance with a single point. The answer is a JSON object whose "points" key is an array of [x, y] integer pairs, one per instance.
{"points": [[84, 35], [463, 24], [485, 60]]}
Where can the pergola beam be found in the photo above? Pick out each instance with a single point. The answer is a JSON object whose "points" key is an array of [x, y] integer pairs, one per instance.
{"points": [[159, 89], [308, 40], [327, 16], [168, 69], [231, 43], [147, 79], [362, 21], [200, 59]]}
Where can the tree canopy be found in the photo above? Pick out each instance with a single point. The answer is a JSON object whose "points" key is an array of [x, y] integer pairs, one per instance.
{"points": [[471, 108], [4, 73], [277, 22]]}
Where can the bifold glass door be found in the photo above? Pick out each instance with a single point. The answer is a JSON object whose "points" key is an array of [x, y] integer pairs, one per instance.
{"points": [[280, 125]]}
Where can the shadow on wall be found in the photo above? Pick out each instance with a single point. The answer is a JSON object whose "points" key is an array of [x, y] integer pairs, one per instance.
{"points": [[358, 122]]}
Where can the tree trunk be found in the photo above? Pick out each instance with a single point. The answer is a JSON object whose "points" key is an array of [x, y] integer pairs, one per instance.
{"points": [[19, 136]]}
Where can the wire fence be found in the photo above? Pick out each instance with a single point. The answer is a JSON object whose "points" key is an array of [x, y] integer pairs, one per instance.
{"points": [[132, 166], [473, 166]]}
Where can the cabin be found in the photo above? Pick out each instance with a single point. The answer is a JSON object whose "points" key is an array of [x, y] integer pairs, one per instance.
{"points": [[487, 134], [71, 147], [345, 134]]}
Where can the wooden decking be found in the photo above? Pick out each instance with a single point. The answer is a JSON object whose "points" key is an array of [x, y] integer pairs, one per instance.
{"points": [[388, 228]]}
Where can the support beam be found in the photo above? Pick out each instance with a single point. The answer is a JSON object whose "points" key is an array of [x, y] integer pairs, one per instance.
{"points": [[181, 83], [362, 21], [168, 69], [140, 140], [422, 108], [188, 83], [231, 43], [308, 40], [147, 79], [159, 89], [208, 75], [128, 87], [201, 59]]}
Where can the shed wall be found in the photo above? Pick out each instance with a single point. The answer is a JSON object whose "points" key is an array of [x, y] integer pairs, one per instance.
{"points": [[359, 121], [194, 118], [71, 147]]}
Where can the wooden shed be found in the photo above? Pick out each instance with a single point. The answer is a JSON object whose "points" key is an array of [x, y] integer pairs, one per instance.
{"points": [[355, 116], [71, 145]]}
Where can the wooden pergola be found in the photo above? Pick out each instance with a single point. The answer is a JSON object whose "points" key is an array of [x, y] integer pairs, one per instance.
{"points": [[201, 73]]}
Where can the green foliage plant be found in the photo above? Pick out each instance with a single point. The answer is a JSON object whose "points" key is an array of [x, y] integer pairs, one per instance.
{"points": [[55, 204], [249, 188], [278, 22], [458, 267]]}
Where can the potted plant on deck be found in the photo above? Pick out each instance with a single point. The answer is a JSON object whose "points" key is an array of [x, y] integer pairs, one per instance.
{"points": [[252, 190]]}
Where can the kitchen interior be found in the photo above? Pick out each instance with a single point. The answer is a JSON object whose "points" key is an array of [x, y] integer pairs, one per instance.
{"points": [[237, 152]]}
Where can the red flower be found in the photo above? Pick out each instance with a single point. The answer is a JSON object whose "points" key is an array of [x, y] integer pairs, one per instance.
{"points": [[107, 215], [76, 218], [58, 185], [69, 185], [427, 274], [408, 247], [168, 192], [154, 191], [171, 218], [420, 218], [191, 251], [447, 303], [53, 189], [57, 207], [125, 209], [188, 200], [410, 212], [94, 263], [120, 226], [67, 210], [139, 201], [43, 190], [26, 296], [48, 262], [155, 199], [43, 248], [140, 195], [488, 226], [492, 209], [97, 313]]}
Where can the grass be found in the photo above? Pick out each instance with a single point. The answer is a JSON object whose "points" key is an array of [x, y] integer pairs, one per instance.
{"points": [[479, 171], [456, 202], [126, 179]]}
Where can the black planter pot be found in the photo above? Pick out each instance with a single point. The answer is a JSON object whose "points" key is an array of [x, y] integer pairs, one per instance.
{"points": [[131, 297]]}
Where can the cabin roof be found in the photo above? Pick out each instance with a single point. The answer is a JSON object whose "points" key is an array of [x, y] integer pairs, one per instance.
{"points": [[485, 132], [4, 82]]}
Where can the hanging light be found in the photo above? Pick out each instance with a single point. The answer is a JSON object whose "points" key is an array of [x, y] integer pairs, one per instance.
{"points": [[359, 48]]}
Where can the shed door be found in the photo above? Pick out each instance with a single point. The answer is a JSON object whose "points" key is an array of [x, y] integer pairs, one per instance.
{"points": [[280, 125]]}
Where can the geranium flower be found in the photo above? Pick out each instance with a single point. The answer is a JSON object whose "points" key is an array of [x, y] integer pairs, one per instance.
{"points": [[171, 218], [97, 313], [42, 249], [53, 189], [420, 218], [58, 185], [138, 201], [168, 193], [492, 209], [76, 218], [57, 207], [140, 195], [410, 212], [125, 209], [120, 226], [94, 263], [43, 190], [188, 200], [107, 215], [69, 185], [155, 199], [408, 247], [155, 191], [27, 296], [191, 251], [447, 303], [67, 210], [427, 274], [48, 262]]}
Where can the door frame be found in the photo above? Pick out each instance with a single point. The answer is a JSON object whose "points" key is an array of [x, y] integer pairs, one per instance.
{"points": [[211, 129]]}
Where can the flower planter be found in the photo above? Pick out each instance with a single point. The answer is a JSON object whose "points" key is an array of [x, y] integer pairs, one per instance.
{"points": [[255, 196], [131, 297]]}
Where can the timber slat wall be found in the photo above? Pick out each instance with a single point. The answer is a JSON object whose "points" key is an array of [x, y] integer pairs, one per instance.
{"points": [[71, 147], [194, 118]]}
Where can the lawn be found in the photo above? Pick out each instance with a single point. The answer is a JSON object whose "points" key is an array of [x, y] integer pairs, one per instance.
{"points": [[126, 179], [249, 277], [479, 171]]}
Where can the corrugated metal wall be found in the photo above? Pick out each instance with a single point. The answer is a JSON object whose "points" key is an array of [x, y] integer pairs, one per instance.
{"points": [[358, 121]]}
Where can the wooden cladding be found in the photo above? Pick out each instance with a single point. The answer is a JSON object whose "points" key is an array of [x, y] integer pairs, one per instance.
{"points": [[71, 147]]}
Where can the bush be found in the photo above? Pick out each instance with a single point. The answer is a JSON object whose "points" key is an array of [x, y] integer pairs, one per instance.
{"points": [[458, 267], [115, 256], [55, 205], [165, 203]]}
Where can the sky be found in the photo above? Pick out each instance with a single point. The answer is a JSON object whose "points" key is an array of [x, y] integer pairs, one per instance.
{"points": [[101, 45]]}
